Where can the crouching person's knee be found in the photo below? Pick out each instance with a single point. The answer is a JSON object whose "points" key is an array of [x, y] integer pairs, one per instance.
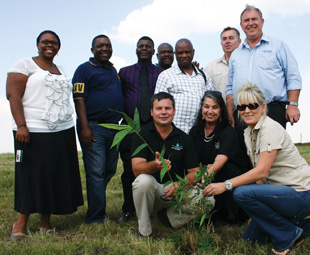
{"points": [[144, 183]]}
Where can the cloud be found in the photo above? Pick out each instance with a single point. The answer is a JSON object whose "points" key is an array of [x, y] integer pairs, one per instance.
{"points": [[285, 7], [118, 62], [4, 107], [167, 20]]}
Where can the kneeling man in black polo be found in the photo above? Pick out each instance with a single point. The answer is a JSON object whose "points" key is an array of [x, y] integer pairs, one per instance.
{"points": [[148, 192]]}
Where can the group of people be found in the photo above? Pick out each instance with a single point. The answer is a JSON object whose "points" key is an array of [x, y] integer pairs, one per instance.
{"points": [[193, 113]]}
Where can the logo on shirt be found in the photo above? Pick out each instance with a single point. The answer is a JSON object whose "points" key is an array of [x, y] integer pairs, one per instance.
{"points": [[177, 147], [217, 145], [79, 87]]}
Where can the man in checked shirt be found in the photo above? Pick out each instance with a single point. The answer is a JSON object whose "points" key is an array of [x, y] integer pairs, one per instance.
{"points": [[186, 83]]}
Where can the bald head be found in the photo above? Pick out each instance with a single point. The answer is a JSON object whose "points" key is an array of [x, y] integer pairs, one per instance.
{"points": [[184, 40]]}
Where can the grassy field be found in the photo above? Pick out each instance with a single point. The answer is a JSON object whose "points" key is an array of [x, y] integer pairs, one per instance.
{"points": [[74, 237]]}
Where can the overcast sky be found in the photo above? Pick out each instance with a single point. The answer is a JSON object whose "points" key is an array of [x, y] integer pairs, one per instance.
{"points": [[77, 22]]}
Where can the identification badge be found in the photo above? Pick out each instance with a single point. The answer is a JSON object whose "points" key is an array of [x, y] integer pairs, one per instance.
{"points": [[19, 156]]}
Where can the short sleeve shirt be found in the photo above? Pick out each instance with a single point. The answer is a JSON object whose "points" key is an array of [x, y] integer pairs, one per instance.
{"points": [[218, 72], [46, 100], [289, 167], [101, 89], [179, 149]]}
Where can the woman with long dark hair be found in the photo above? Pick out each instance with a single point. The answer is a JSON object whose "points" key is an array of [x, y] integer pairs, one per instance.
{"points": [[217, 147]]}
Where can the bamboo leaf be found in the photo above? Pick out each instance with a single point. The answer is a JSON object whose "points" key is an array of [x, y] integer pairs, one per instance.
{"points": [[182, 195], [136, 121], [120, 136], [197, 179], [168, 183], [127, 118], [114, 126], [179, 178], [202, 167], [186, 179], [202, 219], [164, 170], [163, 150], [142, 146]]}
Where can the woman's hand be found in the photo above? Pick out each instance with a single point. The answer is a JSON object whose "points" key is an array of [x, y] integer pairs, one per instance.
{"points": [[22, 134], [210, 169], [214, 189]]}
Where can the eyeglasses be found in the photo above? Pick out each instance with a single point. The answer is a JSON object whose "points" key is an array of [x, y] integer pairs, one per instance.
{"points": [[46, 42], [250, 106]]}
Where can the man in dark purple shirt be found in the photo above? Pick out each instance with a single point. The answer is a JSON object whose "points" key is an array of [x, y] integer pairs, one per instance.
{"points": [[131, 79]]}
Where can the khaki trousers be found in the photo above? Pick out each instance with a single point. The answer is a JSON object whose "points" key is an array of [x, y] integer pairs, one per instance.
{"points": [[148, 198]]}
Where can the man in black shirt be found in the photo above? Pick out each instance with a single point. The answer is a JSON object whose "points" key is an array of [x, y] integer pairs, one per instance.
{"points": [[181, 158]]}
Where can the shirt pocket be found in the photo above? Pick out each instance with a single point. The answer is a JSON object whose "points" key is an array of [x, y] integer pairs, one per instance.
{"points": [[268, 61]]}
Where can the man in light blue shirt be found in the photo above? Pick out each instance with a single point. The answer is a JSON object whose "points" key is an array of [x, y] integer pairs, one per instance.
{"points": [[267, 63]]}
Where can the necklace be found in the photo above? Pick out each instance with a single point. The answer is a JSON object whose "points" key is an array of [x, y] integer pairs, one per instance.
{"points": [[207, 139]]}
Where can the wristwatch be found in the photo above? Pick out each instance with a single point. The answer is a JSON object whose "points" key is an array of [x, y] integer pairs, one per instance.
{"points": [[293, 103], [228, 185]]}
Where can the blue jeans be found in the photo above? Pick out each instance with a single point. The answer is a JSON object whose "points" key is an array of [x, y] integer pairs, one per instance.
{"points": [[100, 164], [277, 213]]}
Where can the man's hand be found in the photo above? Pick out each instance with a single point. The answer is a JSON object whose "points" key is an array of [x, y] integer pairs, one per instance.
{"points": [[195, 63], [87, 137], [292, 114], [141, 166], [158, 162], [171, 190], [230, 109]]}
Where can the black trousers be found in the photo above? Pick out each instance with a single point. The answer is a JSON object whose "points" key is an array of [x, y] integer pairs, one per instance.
{"points": [[127, 176], [277, 111]]}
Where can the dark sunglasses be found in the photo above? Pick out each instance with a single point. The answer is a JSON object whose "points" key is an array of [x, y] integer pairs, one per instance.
{"points": [[250, 106]]}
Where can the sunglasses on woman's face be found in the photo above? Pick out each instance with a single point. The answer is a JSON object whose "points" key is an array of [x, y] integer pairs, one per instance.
{"points": [[250, 106]]}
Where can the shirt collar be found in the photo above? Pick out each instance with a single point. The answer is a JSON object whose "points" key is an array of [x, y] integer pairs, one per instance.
{"points": [[259, 123], [96, 63], [223, 60], [180, 70], [148, 66], [264, 39], [175, 131]]}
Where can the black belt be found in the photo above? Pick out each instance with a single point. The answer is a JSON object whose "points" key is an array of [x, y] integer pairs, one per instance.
{"points": [[277, 102]]}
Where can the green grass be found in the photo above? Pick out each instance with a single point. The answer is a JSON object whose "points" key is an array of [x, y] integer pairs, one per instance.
{"points": [[74, 237]]}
